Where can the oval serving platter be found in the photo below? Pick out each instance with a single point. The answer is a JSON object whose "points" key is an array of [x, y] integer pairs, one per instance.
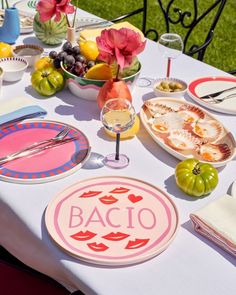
{"points": [[186, 130]]}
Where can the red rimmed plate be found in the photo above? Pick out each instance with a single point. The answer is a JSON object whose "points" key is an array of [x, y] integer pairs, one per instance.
{"points": [[48, 165], [207, 85], [112, 220]]}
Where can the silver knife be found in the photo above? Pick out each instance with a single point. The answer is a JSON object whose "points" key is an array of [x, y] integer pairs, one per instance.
{"points": [[35, 151], [93, 25], [210, 95]]}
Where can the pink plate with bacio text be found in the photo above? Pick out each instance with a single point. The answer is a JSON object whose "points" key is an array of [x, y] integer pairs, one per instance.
{"points": [[112, 220], [48, 165]]}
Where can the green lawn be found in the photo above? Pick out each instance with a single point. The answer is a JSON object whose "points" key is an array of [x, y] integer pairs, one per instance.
{"points": [[221, 53]]}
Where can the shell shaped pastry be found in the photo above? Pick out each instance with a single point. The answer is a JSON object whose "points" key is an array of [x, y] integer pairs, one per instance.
{"points": [[190, 113], [210, 130], [157, 109], [215, 152], [182, 140], [167, 122]]}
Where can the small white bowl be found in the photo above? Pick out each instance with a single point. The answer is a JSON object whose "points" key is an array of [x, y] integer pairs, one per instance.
{"points": [[29, 52], [173, 90], [13, 68]]}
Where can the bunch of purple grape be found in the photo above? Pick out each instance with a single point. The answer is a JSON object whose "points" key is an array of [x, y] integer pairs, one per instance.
{"points": [[73, 61]]}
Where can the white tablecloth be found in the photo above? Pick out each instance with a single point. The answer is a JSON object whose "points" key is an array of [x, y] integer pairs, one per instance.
{"points": [[190, 265]]}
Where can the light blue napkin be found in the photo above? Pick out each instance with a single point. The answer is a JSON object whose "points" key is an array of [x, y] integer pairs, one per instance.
{"points": [[18, 109]]}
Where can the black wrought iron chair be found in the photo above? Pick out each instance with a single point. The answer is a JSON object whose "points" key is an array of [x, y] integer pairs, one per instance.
{"points": [[142, 9], [190, 18]]}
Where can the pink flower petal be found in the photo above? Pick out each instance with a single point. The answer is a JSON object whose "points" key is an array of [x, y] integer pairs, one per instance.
{"points": [[120, 46]]}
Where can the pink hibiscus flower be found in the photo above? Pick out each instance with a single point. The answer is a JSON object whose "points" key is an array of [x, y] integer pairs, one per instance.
{"points": [[49, 8], [119, 46]]}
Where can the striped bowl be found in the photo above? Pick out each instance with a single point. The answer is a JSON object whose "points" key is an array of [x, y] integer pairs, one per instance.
{"points": [[13, 68], [87, 88]]}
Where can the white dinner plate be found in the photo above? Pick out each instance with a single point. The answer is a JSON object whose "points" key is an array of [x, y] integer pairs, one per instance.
{"points": [[208, 85], [26, 6]]}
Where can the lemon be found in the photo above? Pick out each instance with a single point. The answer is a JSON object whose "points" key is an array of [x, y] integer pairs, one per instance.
{"points": [[43, 62], [89, 49], [100, 71], [5, 50], [129, 133]]}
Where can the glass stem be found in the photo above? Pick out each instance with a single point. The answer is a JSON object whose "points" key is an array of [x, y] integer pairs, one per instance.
{"points": [[168, 67], [117, 157]]}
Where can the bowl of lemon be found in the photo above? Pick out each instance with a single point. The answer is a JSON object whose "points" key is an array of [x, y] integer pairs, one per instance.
{"points": [[85, 74]]}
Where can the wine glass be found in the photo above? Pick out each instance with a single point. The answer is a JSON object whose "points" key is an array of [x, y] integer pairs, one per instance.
{"points": [[117, 115], [171, 46]]}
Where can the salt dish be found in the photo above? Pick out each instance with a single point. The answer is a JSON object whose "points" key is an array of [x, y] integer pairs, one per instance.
{"points": [[13, 68], [30, 52], [170, 87]]}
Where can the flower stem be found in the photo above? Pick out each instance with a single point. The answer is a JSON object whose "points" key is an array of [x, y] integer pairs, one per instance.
{"points": [[7, 4], [73, 24], [117, 73], [67, 20]]}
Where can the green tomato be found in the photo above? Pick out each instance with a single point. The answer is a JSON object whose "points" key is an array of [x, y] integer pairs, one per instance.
{"points": [[195, 178], [47, 81]]}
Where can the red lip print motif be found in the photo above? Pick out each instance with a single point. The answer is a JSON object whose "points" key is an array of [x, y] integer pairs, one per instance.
{"points": [[97, 247], [90, 194], [137, 243], [83, 236], [116, 236], [119, 190], [134, 199], [108, 200]]}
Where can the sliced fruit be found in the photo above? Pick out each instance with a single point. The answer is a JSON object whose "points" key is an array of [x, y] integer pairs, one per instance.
{"points": [[89, 49], [100, 71]]}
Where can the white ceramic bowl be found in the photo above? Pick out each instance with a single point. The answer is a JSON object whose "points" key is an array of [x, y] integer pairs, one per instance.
{"points": [[13, 68], [170, 89], [29, 52]]}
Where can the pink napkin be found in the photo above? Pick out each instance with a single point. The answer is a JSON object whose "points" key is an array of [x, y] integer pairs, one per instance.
{"points": [[217, 222]]}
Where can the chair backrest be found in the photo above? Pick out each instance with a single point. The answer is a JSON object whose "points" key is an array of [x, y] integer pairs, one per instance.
{"points": [[142, 9], [189, 19]]}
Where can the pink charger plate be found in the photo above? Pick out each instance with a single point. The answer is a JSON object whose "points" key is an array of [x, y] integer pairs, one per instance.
{"points": [[48, 165], [112, 220]]}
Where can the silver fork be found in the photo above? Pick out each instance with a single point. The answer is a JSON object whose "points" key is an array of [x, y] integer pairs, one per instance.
{"points": [[59, 137], [219, 100]]}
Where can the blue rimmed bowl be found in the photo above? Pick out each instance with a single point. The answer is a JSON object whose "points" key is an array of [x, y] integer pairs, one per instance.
{"points": [[87, 88]]}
